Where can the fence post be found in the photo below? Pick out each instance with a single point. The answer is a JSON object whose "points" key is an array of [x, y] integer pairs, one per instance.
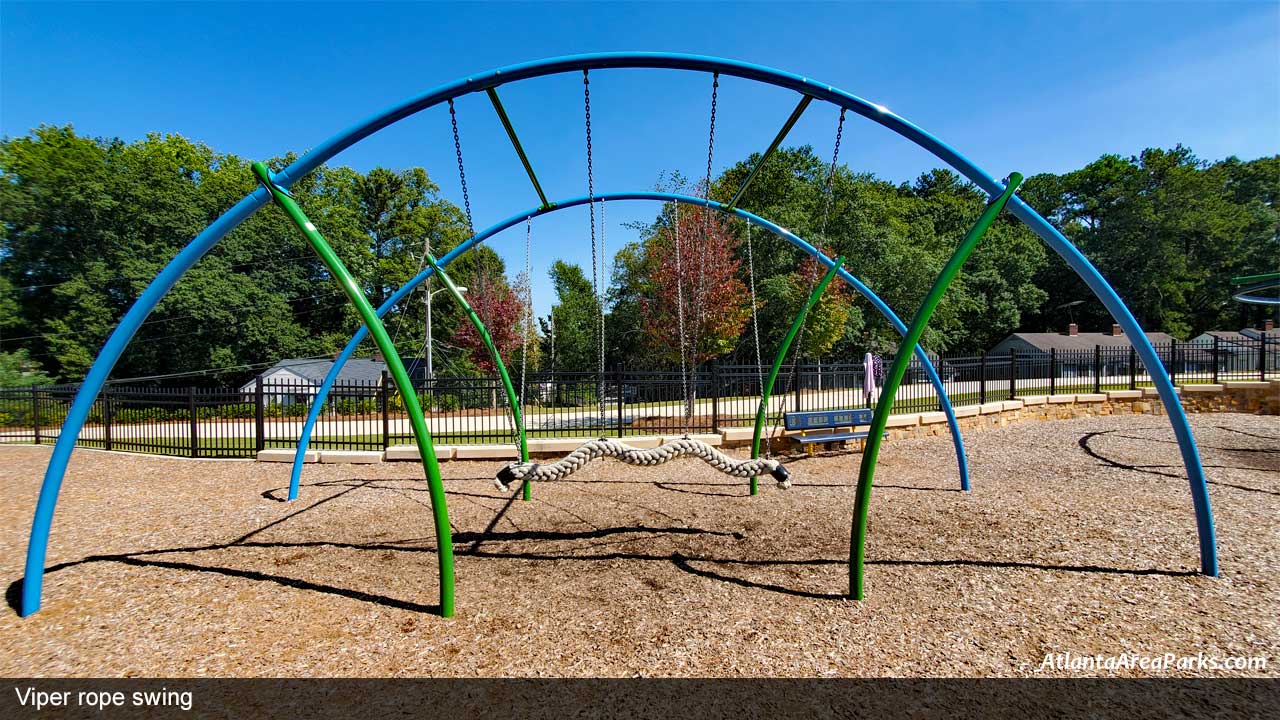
{"points": [[1133, 368], [1013, 373], [715, 396], [191, 410], [259, 416], [384, 407], [1215, 359], [795, 381], [1097, 368], [618, 375], [1053, 371], [35, 414], [982, 378], [106, 417], [1262, 355]]}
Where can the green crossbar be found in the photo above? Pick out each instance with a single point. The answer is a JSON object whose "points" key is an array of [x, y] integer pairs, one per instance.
{"points": [[515, 142], [782, 135]]}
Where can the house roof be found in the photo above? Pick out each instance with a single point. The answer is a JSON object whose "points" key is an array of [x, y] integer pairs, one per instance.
{"points": [[1083, 341], [1247, 336], [356, 370]]}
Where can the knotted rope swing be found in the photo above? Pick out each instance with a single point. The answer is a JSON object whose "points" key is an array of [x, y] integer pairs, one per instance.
{"points": [[520, 472]]}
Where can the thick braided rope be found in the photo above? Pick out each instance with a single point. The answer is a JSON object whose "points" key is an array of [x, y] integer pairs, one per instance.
{"points": [[605, 447]]}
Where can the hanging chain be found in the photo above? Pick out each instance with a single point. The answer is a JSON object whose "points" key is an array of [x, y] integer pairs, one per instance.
{"points": [[684, 360], [706, 190], [462, 173], [755, 320], [828, 191], [604, 284], [528, 311], [595, 261], [700, 295], [711, 142]]}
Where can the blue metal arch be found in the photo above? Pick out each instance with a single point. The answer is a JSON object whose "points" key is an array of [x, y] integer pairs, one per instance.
{"points": [[322, 393], [100, 370]]}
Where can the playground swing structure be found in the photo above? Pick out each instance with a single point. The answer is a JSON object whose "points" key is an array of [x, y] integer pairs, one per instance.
{"points": [[274, 189], [687, 446]]}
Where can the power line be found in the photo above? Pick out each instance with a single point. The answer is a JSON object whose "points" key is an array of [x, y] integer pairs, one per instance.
{"points": [[320, 308], [161, 321], [209, 371], [229, 267]]}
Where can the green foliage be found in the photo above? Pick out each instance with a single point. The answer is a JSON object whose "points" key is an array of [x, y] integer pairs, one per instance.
{"points": [[87, 223], [18, 370], [1168, 230], [569, 335]]}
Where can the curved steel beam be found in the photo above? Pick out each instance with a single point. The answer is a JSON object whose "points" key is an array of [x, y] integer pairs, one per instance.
{"points": [[430, 465], [1254, 283], [893, 378], [33, 578], [398, 296]]}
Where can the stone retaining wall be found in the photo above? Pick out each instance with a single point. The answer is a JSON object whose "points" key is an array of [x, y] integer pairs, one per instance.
{"points": [[1258, 398]]}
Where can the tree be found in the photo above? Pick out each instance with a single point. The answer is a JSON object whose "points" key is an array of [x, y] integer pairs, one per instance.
{"points": [[18, 370], [895, 238], [1167, 230], [569, 335], [87, 224], [697, 277], [502, 310]]}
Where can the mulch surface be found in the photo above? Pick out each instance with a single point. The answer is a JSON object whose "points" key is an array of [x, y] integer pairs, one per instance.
{"points": [[1078, 537]]}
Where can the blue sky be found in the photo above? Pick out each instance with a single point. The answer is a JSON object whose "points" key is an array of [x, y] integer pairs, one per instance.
{"points": [[1032, 87]]}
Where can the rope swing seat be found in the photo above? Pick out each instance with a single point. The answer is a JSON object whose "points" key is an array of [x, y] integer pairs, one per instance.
{"points": [[524, 472]]}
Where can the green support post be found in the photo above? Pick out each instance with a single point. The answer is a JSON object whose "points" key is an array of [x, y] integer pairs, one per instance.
{"points": [[894, 380], [512, 399], [439, 509], [767, 389]]}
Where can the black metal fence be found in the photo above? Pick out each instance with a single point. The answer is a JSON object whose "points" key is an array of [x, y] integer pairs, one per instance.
{"points": [[239, 422]]}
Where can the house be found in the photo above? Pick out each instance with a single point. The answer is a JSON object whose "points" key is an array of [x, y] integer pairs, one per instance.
{"points": [[1074, 351], [296, 380], [1238, 351]]}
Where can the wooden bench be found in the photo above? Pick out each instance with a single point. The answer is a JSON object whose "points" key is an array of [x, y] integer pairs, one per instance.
{"points": [[826, 426]]}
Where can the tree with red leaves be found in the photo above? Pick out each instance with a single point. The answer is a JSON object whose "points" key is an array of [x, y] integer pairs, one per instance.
{"points": [[502, 310], [716, 304]]}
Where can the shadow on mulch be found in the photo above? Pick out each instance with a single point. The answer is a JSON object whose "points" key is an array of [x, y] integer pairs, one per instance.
{"points": [[1086, 444], [684, 563]]}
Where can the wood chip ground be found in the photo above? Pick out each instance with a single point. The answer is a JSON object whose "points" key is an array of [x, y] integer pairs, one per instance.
{"points": [[1078, 537]]}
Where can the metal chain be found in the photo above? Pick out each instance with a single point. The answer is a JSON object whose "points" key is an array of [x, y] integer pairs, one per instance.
{"points": [[604, 289], [755, 318], [684, 360], [595, 262], [528, 310], [827, 192], [700, 302], [711, 142], [462, 173], [831, 176]]}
